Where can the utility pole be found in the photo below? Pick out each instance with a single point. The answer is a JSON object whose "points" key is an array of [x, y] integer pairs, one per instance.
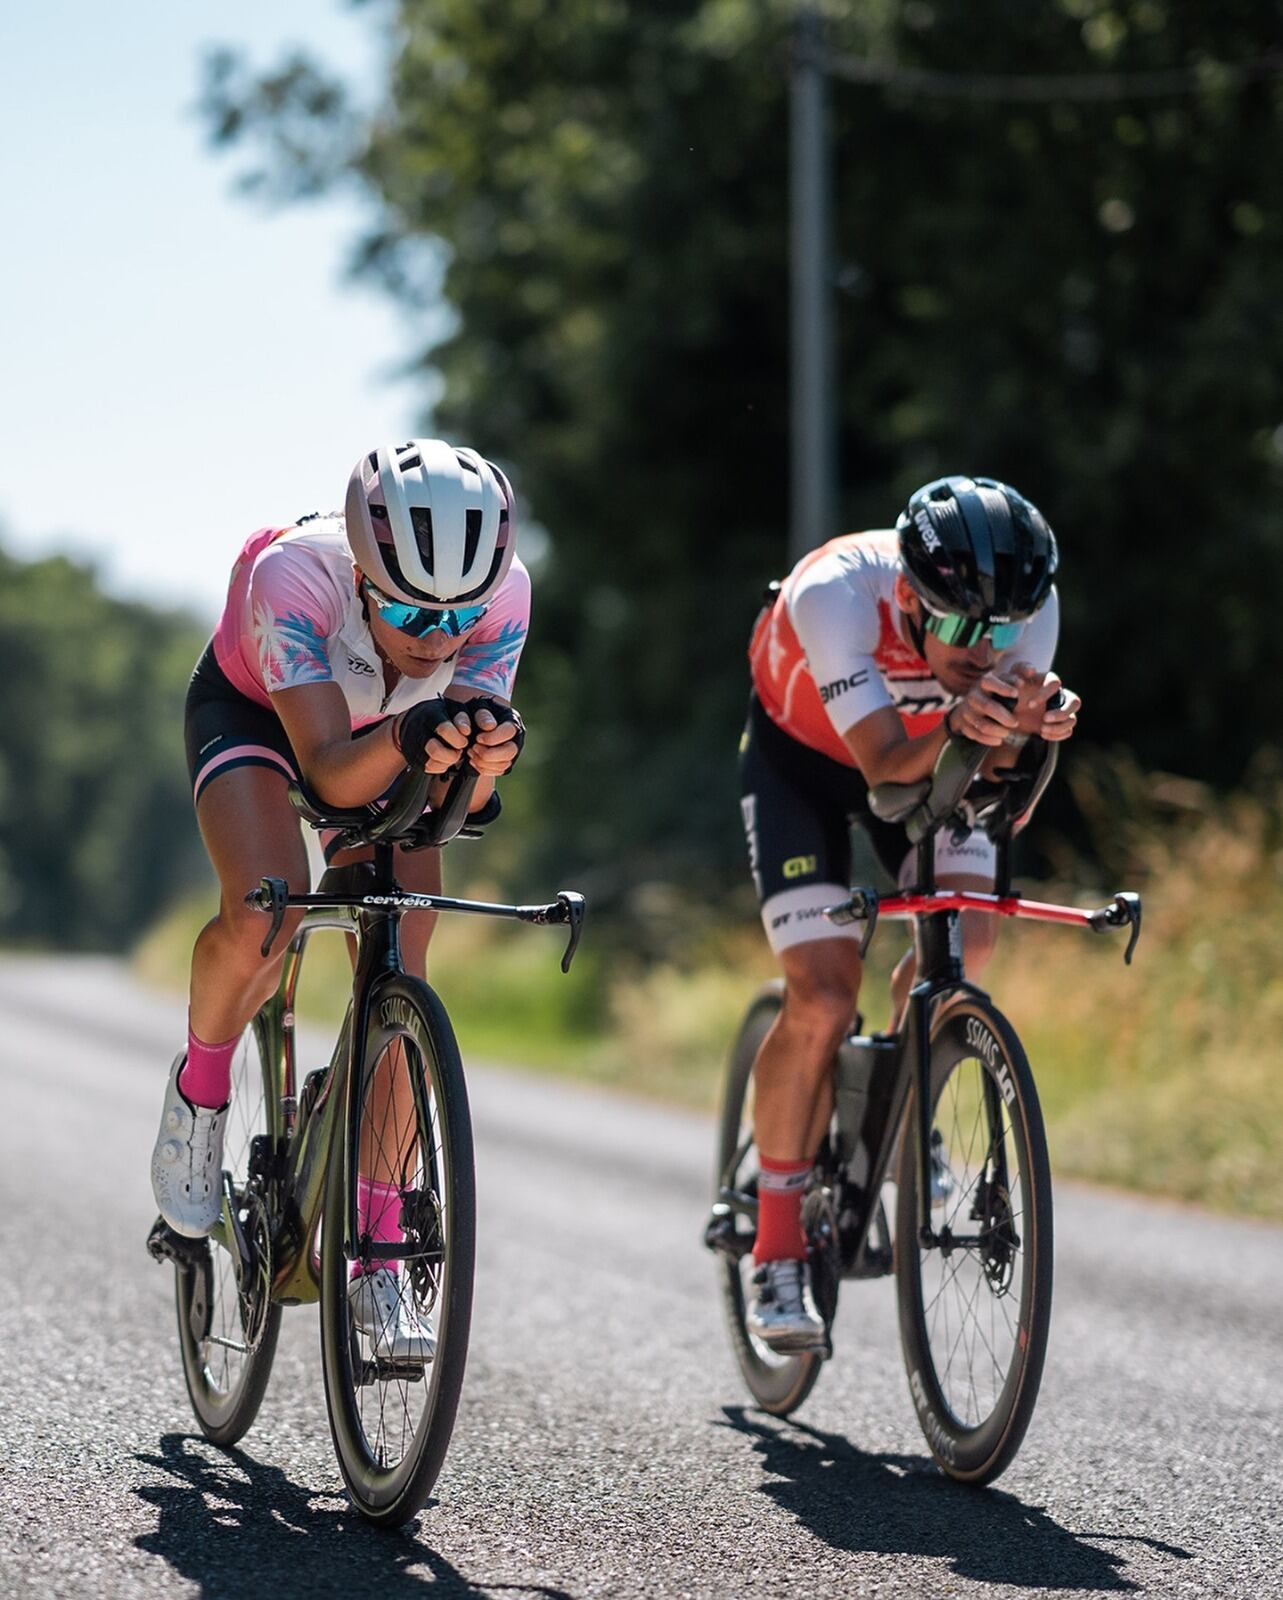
{"points": [[813, 502]]}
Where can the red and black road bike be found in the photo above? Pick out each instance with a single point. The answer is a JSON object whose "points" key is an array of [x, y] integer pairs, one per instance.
{"points": [[946, 1108]]}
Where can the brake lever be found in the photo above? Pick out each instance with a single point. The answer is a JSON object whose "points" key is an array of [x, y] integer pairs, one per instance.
{"points": [[270, 896], [574, 908], [1121, 912], [861, 907]]}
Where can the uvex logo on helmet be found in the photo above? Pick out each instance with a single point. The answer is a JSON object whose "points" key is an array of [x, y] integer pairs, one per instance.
{"points": [[974, 547], [430, 523]]}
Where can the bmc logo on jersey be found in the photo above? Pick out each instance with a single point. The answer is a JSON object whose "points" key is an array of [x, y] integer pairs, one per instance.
{"points": [[830, 691]]}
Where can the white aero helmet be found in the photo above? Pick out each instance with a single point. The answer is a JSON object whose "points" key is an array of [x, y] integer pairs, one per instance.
{"points": [[430, 524]]}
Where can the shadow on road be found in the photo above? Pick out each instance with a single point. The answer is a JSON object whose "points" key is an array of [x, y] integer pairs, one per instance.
{"points": [[904, 1505], [237, 1527]]}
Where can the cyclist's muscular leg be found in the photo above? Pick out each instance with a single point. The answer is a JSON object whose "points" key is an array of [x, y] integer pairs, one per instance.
{"points": [[791, 1078], [251, 832]]}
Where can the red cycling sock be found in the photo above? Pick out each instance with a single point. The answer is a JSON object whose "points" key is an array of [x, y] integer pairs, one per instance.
{"points": [[780, 1189], [378, 1211], [206, 1079]]}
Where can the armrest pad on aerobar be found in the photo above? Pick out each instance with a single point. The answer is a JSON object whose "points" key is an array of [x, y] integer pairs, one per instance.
{"points": [[893, 802], [321, 814], [405, 804]]}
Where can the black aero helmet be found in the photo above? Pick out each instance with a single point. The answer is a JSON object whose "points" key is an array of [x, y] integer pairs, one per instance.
{"points": [[973, 547]]}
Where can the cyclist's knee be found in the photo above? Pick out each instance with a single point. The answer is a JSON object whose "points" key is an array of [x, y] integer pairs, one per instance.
{"points": [[240, 932], [821, 988]]}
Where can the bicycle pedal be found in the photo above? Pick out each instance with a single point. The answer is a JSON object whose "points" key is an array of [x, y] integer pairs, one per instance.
{"points": [[164, 1244], [385, 1370]]}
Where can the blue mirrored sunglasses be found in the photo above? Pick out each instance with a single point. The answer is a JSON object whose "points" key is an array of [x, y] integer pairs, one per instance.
{"points": [[963, 632], [419, 621]]}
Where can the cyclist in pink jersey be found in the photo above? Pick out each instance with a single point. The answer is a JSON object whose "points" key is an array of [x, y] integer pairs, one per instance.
{"points": [[351, 647], [877, 647]]}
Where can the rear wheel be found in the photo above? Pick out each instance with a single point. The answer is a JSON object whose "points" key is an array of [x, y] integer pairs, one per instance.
{"points": [[975, 1308], [392, 1414], [779, 1383], [227, 1330]]}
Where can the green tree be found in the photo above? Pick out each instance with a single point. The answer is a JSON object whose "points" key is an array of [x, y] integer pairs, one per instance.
{"points": [[1082, 297], [96, 831]]}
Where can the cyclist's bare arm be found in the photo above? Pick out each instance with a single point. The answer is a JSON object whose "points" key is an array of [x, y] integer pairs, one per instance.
{"points": [[348, 771], [885, 753], [341, 769]]}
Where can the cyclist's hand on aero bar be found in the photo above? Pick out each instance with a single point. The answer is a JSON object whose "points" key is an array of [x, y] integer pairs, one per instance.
{"points": [[986, 713], [433, 734], [1044, 707], [497, 741]]}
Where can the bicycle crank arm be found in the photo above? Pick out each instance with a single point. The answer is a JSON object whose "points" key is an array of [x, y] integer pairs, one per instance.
{"points": [[241, 1258]]}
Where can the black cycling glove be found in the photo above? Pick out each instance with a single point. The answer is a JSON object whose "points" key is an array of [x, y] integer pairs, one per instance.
{"points": [[501, 714], [414, 728]]}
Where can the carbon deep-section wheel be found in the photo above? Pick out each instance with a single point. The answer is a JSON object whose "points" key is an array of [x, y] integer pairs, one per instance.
{"points": [[975, 1306], [779, 1383], [227, 1323], [394, 1327]]}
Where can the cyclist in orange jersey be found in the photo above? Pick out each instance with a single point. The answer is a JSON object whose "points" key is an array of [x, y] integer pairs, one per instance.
{"points": [[876, 648]]}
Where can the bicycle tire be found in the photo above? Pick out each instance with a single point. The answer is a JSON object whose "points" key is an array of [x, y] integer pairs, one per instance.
{"points": [[389, 1492], [779, 1383], [226, 1394], [974, 1380]]}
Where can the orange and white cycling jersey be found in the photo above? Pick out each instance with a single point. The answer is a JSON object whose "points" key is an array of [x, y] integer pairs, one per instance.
{"points": [[832, 648]]}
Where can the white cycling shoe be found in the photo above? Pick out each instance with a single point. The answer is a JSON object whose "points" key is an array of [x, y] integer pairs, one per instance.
{"points": [[782, 1311], [187, 1161], [383, 1309]]}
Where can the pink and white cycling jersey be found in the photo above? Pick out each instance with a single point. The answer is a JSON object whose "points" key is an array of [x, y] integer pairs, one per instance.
{"points": [[293, 616], [833, 648]]}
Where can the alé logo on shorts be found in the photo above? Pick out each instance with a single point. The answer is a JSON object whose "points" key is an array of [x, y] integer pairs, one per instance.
{"points": [[799, 866], [986, 1046]]}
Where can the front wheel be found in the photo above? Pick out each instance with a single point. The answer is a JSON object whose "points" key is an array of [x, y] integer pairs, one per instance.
{"points": [[391, 1396], [227, 1330], [975, 1306], [779, 1383]]}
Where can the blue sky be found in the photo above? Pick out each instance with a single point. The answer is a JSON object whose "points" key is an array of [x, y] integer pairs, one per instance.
{"points": [[177, 366]]}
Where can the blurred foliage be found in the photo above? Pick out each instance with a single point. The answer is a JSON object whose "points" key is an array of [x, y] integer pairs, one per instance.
{"points": [[96, 832], [1081, 297]]}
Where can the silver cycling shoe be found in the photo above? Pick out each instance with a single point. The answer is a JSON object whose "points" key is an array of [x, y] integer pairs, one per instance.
{"points": [[781, 1312], [187, 1161], [383, 1309]]}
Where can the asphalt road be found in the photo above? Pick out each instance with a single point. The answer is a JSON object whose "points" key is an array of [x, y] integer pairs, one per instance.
{"points": [[604, 1445]]}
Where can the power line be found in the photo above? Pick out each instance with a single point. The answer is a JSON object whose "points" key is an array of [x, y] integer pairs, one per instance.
{"points": [[1042, 88]]}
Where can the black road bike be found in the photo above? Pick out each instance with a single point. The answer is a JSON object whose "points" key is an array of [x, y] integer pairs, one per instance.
{"points": [[947, 1108], [392, 1105]]}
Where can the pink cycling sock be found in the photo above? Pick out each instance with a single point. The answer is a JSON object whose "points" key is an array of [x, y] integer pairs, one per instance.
{"points": [[206, 1079], [781, 1186], [378, 1207]]}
